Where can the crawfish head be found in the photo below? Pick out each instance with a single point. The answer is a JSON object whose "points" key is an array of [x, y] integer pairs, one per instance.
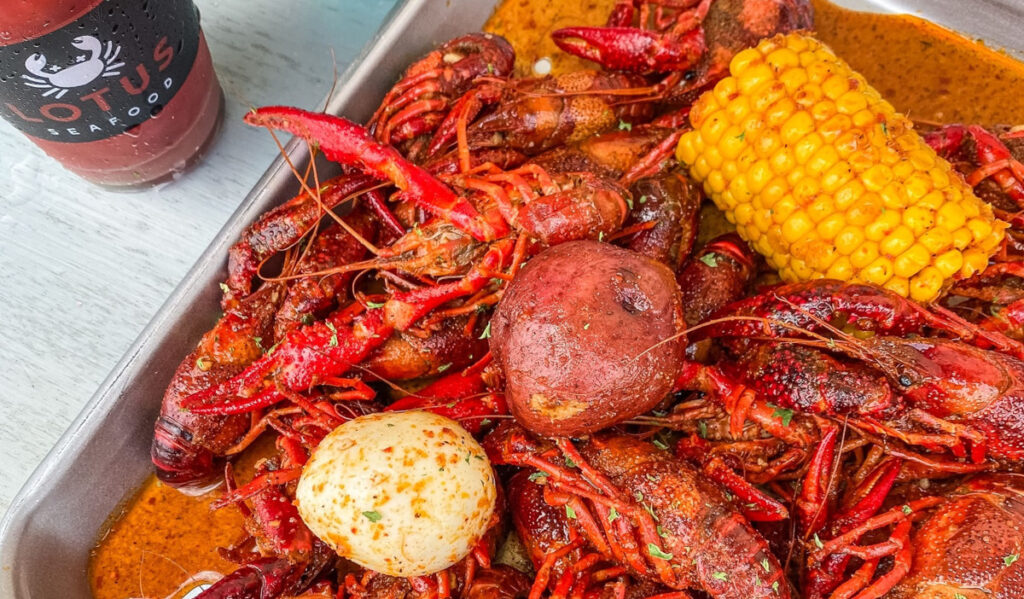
{"points": [[952, 380]]}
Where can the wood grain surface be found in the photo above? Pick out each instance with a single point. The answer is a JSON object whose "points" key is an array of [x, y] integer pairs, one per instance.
{"points": [[82, 269]]}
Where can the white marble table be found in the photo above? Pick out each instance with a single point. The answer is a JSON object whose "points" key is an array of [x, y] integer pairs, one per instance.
{"points": [[82, 270]]}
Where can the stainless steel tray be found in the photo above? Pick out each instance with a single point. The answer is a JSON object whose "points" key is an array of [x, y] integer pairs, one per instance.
{"points": [[52, 524]]}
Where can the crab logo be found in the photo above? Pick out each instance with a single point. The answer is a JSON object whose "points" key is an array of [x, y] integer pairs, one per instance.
{"points": [[57, 80]]}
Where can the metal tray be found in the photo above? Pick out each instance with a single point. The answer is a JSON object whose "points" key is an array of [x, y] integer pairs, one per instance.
{"points": [[52, 524]]}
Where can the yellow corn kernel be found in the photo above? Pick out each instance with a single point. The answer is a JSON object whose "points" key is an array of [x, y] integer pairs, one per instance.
{"points": [[825, 178], [910, 262], [949, 263], [830, 227], [975, 261], [841, 269], [980, 228], [793, 79], [878, 272], [898, 285], [926, 285], [920, 220], [796, 226], [753, 77], [743, 60], [782, 58], [936, 240], [950, 216], [864, 255], [849, 239], [797, 126], [882, 226], [897, 242], [962, 238]]}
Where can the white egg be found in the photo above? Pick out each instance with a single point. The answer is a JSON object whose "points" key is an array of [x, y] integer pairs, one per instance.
{"points": [[403, 493]]}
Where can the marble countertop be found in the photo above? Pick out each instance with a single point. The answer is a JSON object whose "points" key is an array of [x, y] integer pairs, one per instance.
{"points": [[84, 269]]}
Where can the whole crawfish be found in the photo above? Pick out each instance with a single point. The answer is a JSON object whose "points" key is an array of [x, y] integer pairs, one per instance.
{"points": [[692, 40], [649, 512]]}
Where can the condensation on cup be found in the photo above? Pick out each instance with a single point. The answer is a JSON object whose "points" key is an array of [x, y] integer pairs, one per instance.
{"points": [[121, 93]]}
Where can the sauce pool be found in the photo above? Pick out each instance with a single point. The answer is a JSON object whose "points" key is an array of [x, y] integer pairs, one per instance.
{"points": [[165, 543]]}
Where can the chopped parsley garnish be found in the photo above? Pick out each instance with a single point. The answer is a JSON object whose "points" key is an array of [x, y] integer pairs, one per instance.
{"points": [[655, 551]]}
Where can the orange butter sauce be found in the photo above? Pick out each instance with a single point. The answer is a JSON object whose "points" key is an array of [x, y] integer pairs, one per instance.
{"points": [[164, 543]]}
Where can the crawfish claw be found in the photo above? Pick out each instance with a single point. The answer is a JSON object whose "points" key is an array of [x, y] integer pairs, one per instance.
{"points": [[347, 143], [632, 49]]}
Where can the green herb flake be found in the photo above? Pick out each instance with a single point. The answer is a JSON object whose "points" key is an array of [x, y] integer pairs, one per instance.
{"points": [[203, 363], [224, 287], [775, 586], [661, 532], [600, 236], [742, 135], [655, 551], [659, 444], [720, 576], [643, 199], [569, 512], [334, 334], [702, 429], [613, 515], [586, 326], [959, 596], [307, 319], [444, 367], [783, 414], [711, 259], [885, 128], [767, 565], [629, 202], [373, 516], [374, 305], [487, 332], [258, 341], [624, 126], [569, 462], [817, 542], [907, 510], [538, 477], [1009, 559], [638, 496]]}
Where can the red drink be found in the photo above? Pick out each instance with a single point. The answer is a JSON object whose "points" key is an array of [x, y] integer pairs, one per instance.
{"points": [[121, 92]]}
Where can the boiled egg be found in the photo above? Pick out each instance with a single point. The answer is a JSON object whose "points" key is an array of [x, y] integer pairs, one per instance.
{"points": [[402, 493]]}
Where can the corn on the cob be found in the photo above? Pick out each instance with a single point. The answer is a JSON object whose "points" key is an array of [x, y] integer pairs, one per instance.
{"points": [[825, 179]]}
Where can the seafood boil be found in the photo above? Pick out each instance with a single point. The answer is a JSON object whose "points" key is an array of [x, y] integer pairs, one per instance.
{"points": [[697, 313]]}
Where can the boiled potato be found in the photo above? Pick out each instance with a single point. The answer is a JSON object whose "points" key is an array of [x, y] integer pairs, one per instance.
{"points": [[587, 334], [403, 493]]}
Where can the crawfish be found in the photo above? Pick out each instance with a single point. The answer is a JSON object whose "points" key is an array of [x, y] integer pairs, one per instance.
{"points": [[969, 544], [451, 344], [621, 489], [692, 41], [535, 115], [421, 99], [310, 297], [282, 227], [550, 208], [188, 447], [557, 551]]}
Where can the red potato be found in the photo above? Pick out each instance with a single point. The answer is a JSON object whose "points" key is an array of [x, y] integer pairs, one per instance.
{"points": [[588, 334]]}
